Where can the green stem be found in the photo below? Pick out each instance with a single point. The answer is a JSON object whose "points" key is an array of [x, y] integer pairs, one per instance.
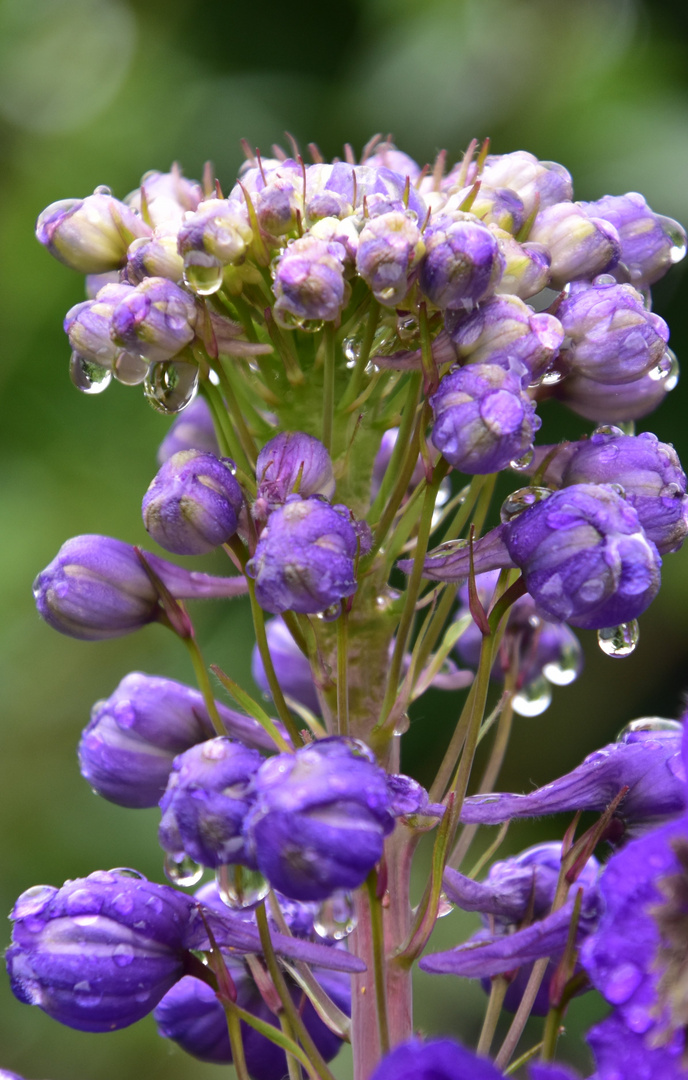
{"points": [[522, 1013], [343, 671], [328, 385], [379, 962], [273, 682], [226, 435], [293, 1067], [247, 459], [235, 1040], [203, 680], [354, 388], [498, 991], [408, 416]]}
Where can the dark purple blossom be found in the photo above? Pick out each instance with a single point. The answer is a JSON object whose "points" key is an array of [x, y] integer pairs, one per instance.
{"points": [[505, 329], [438, 1059], [462, 263], [87, 325], [90, 235], [579, 246], [389, 249], [620, 1054], [192, 430], [614, 403], [96, 587], [526, 265], [218, 231], [293, 463], [155, 256], [155, 320], [650, 243], [193, 504], [309, 282]]}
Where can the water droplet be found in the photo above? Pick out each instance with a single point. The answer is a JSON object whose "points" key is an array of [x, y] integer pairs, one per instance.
{"points": [[239, 887], [673, 372], [335, 918], [385, 599], [83, 902], [204, 280], [621, 983], [607, 429], [650, 724], [675, 232], [123, 955], [551, 378], [386, 294], [619, 640], [521, 500], [33, 901], [352, 346], [407, 326], [566, 668], [445, 906], [402, 725], [142, 996], [171, 385], [523, 462], [533, 698], [126, 871], [88, 377], [184, 871], [330, 613], [619, 489], [129, 369], [124, 903], [85, 996], [102, 189]]}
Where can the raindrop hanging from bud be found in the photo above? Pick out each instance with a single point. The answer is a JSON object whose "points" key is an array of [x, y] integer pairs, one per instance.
{"points": [[533, 698], [335, 918], [88, 377], [203, 280], [445, 906], [129, 369], [521, 500], [650, 724], [184, 871], [240, 887], [619, 640], [171, 385], [518, 464], [566, 668]]}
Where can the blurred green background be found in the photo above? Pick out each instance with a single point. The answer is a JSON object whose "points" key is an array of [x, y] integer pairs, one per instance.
{"points": [[99, 91]]}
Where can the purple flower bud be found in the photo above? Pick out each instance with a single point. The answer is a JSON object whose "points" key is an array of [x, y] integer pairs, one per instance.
{"points": [[483, 419], [501, 207], [191, 1015], [504, 328], [439, 1059], [291, 667], [320, 818], [385, 155], [526, 266], [293, 463], [192, 430], [389, 249], [612, 337], [155, 320], [620, 1052], [99, 953], [304, 560], [335, 231], [615, 403], [155, 256], [579, 246], [88, 325], [462, 263], [650, 243], [127, 750], [647, 762], [208, 795], [193, 504], [309, 282], [169, 196], [537, 183], [279, 204], [96, 587], [90, 235]]}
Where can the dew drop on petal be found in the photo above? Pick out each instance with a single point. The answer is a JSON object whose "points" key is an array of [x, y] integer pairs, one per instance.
{"points": [[619, 641], [650, 724], [521, 500], [240, 887]]}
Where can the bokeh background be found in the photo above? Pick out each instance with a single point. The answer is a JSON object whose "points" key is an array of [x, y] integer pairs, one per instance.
{"points": [[99, 91]]}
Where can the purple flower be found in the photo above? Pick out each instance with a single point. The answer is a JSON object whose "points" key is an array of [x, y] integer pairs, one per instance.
{"points": [[527, 265], [168, 196], [614, 403], [96, 587], [389, 249], [218, 232], [155, 320], [385, 155], [650, 243], [192, 430], [501, 207], [293, 462], [537, 183], [462, 263], [291, 667], [612, 337], [309, 282], [439, 1059], [304, 560], [505, 329], [127, 750], [647, 762], [483, 419], [208, 795], [155, 256], [88, 325], [320, 818], [90, 235], [620, 1053], [193, 504], [99, 953], [580, 246]]}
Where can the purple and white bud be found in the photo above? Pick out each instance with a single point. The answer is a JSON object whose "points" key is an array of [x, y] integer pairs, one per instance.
{"points": [[155, 256], [90, 235], [168, 197], [304, 560], [208, 795], [650, 243], [612, 337], [526, 266], [615, 403], [88, 325], [96, 588], [99, 953], [219, 228], [389, 248], [579, 246], [192, 430], [279, 204], [309, 282], [320, 818], [500, 207], [156, 320], [291, 667], [387, 156], [193, 504], [483, 418], [505, 329], [462, 264], [127, 750], [293, 463], [538, 184], [335, 231]]}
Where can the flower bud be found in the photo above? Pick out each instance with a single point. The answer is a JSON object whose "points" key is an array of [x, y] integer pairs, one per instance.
{"points": [[537, 183], [155, 320], [615, 403], [320, 818], [192, 430], [386, 156], [155, 256], [293, 463], [650, 243], [309, 282], [462, 263], [526, 266], [291, 667], [501, 207], [96, 588], [168, 197], [193, 504], [208, 795], [579, 246], [389, 248], [99, 953], [504, 328], [304, 560], [483, 419], [88, 325], [437, 1059], [335, 231], [127, 749], [90, 235], [613, 338]]}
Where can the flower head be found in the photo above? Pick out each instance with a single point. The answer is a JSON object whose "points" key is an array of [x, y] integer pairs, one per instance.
{"points": [[193, 504]]}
